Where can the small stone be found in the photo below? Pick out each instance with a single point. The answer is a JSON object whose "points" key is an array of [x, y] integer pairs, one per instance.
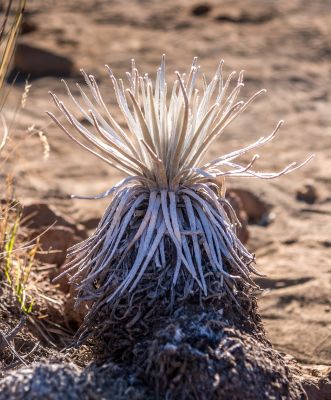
{"points": [[307, 193], [28, 26], [201, 10]]}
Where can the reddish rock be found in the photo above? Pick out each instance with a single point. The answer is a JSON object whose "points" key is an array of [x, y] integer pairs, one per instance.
{"points": [[257, 210], [41, 215], [56, 234], [54, 244]]}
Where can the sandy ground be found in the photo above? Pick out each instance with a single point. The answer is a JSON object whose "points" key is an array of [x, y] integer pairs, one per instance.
{"points": [[284, 47]]}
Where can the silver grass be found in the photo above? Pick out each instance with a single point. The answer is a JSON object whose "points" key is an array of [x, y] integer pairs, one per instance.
{"points": [[168, 225]]}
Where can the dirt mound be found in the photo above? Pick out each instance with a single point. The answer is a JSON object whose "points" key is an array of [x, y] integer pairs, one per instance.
{"points": [[195, 354], [201, 356]]}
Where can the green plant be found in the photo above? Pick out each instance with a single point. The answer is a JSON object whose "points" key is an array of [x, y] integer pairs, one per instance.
{"points": [[166, 231], [22, 282], [15, 266], [9, 242], [16, 260]]}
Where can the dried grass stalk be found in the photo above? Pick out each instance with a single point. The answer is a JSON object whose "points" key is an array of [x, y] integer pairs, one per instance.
{"points": [[8, 36], [167, 228], [9, 30]]}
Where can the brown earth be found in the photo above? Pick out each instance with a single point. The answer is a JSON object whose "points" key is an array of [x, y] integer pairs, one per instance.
{"points": [[284, 47]]}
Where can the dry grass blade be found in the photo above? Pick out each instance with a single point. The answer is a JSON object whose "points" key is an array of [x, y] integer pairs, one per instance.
{"points": [[4, 133], [8, 39]]}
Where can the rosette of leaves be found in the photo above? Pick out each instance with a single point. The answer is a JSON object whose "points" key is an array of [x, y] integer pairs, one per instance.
{"points": [[169, 231]]}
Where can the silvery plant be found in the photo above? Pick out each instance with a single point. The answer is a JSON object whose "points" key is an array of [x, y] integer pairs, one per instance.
{"points": [[168, 231]]}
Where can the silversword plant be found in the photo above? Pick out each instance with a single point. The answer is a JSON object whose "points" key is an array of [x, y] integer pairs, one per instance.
{"points": [[169, 229]]}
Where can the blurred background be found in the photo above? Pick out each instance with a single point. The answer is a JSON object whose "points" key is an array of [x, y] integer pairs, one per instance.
{"points": [[283, 46]]}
